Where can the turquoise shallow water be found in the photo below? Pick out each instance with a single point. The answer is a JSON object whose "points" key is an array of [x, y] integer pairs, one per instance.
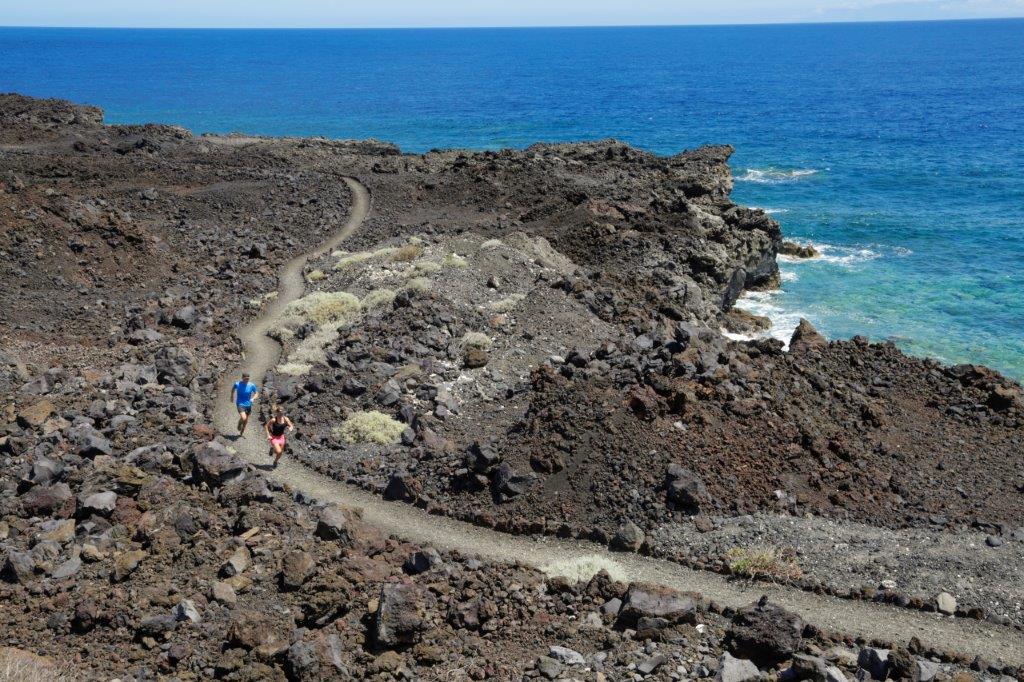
{"points": [[897, 148]]}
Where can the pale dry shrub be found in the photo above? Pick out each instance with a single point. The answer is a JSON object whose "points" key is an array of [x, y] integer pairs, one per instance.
{"points": [[582, 569], [22, 666], [427, 267], [295, 369], [491, 244], [415, 240], [476, 340], [322, 307], [370, 427], [312, 350], [385, 252], [506, 304], [315, 275], [762, 563], [407, 253], [454, 260], [352, 259], [419, 285], [378, 298]]}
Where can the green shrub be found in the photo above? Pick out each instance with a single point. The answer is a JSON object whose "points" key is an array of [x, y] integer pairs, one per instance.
{"points": [[370, 427]]}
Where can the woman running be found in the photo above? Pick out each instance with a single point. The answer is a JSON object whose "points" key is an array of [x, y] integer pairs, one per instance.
{"points": [[276, 427]]}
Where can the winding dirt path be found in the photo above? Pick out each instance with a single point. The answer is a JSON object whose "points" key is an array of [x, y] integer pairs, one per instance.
{"points": [[864, 619]]}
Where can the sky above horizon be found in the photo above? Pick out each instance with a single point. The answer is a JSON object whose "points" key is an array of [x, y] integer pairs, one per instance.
{"points": [[417, 13]]}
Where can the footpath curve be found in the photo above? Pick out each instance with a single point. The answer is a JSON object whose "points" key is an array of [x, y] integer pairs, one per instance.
{"points": [[857, 618]]}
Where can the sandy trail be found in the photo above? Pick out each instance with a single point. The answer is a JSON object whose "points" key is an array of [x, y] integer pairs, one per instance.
{"points": [[865, 619]]}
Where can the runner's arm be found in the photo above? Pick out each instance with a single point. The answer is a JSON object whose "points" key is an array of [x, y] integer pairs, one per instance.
{"points": [[291, 426]]}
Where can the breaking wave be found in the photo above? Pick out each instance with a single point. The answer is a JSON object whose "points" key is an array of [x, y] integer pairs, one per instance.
{"points": [[775, 176]]}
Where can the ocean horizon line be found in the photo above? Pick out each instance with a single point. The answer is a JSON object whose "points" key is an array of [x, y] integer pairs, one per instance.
{"points": [[835, 22]]}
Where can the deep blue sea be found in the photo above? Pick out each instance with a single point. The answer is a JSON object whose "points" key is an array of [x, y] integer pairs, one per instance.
{"points": [[897, 149]]}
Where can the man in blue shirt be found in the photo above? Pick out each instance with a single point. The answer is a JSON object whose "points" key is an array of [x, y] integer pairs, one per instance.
{"points": [[244, 393]]}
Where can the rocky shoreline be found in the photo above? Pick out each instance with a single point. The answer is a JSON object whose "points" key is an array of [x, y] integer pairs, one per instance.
{"points": [[535, 336]]}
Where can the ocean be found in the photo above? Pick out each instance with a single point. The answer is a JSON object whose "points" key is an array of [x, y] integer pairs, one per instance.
{"points": [[897, 148]]}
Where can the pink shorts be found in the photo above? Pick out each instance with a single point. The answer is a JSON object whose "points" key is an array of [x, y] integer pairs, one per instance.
{"points": [[277, 440]]}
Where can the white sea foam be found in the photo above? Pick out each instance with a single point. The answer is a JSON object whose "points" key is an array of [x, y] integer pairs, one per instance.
{"points": [[770, 211], [788, 275], [848, 256], [775, 176], [765, 304]]}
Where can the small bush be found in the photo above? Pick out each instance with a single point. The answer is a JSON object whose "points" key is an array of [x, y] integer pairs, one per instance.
{"points": [[454, 260], [476, 340], [352, 259], [762, 563], [370, 427], [415, 240], [322, 307], [428, 267], [315, 275], [506, 304], [491, 244], [378, 298], [420, 285], [407, 253]]}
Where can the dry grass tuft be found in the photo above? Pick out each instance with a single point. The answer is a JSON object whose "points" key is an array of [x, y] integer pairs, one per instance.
{"points": [[476, 340], [491, 244], [763, 563], [315, 275], [370, 427], [407, 253]]}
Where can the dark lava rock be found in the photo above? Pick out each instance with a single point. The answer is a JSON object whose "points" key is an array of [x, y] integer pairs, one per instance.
{"points": [[685, 488], [765, 633], [399, 618]]}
